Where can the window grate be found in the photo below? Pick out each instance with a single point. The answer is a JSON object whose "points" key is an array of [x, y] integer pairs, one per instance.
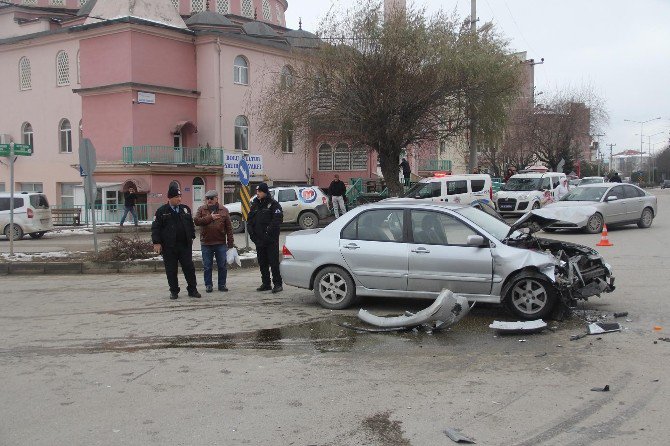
{"points": [[175, 3], [247, 8], [267, 13], [223, 6], [279, 13], [196, 6], [25, 81], [62, 69]]}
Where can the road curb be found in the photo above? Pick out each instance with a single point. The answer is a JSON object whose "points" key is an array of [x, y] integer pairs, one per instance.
{"points": [[65, 268]]}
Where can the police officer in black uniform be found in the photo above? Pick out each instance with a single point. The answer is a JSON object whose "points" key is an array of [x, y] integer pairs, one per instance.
{"points": [[172, 233], [263, 222]]}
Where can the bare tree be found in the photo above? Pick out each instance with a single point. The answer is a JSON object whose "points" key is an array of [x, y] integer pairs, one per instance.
{"points": [[394, 84]]}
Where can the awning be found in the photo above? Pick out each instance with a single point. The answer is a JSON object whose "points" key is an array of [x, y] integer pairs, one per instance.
{"points": [[184, 124]]}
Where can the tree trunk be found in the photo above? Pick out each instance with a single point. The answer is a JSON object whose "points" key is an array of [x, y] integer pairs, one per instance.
{"points": [[388, 161]]}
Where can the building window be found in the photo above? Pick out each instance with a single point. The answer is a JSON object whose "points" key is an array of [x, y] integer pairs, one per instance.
{"points": [[286, 77], [341, 158], [325, 157], [241, 133], [241, 71], [223, 6], [27, 134], [30, 187], [25, 82], [175, 3], [82, 2], [67, 194], [247, 8], [62, 69], [78, 69], [65, 130], [278, 11], [58, 2], [359, 158], [196, 6], [2, 187], [287, 138], [29, 2], [267, 14]]}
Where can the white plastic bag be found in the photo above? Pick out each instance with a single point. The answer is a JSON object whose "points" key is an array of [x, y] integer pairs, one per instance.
{"points": [[233, 256]]}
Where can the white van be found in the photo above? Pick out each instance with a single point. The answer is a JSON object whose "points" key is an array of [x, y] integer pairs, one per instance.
{"points": [[32, 214], [466, 189], [526, 191]]}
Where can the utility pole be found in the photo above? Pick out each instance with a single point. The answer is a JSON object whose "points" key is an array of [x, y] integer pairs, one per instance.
{"points": [[472, 161], [611, 159]]}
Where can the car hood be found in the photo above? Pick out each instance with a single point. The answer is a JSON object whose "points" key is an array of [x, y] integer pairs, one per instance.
{"points": [[541, 218]]}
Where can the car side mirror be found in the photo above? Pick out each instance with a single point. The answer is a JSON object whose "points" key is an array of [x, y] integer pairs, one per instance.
{"points": [[476, 240], [612, 198]]}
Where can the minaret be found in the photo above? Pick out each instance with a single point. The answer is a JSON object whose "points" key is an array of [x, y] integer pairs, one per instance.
{"points": [[392, 7]]}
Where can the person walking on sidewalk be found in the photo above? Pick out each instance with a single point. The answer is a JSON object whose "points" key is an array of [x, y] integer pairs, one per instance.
{"points": [[216, 237], [336, 190], [406, 171], [263, 222], [129, 199], [172, 233]]}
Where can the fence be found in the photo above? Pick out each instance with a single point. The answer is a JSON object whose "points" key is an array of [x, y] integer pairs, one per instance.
{"points": [[108, 213]]}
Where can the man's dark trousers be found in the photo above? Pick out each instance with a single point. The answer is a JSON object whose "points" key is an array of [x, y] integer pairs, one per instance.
{"points": [[180, 253], [268, 257]]}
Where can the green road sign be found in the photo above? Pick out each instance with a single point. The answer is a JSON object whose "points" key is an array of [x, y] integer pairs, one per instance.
{"points": [[19, 150]]}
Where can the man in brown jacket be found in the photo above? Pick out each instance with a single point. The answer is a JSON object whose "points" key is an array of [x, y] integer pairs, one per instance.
{"points": [[216, 237]]}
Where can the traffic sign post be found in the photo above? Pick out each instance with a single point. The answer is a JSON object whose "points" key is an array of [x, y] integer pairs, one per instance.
{"points": [[87, 163], [243, 173], [10, 151]]}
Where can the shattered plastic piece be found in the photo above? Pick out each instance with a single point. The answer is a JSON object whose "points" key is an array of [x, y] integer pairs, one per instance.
{"points": [[622, 314], [457, 436], [664, 339], [601, 389], [579, 336], [519, 326], [541, 355], [448, 309], [603, 327], [371, 330], [522, 340]]}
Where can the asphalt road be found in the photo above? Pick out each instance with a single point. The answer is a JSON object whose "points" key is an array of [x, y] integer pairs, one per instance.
{"points": [[110, 360]]}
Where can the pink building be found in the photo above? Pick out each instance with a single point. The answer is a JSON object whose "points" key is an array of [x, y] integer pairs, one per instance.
{"points": [[165, 91]]}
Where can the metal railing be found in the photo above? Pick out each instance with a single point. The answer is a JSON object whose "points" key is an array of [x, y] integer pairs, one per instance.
{"points": [[204, 156], [435, 165], [109, 213]]}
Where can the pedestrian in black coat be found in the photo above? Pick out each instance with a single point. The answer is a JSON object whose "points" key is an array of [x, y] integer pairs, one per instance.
{"points": [[172, 233], [265, 217]]}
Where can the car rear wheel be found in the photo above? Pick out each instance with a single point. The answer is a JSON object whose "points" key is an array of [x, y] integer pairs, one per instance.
{"points": [[646, 219], [334, 288], [530, 297], [595, 224], [308, 220], [237, 222], [18, 232], [36, 235]]}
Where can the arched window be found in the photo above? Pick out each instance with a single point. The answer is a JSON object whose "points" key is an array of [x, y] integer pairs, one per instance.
{"points": [[325, 157], [359, 158], [27, 134], [175, 3], [341, 158], [286, 77], [267, 14], [62, 69], [65, 133], [287, 138], [279, 13], [196, 6], [223, 6], [247, 8], [25, 80], [241, 71], [241, 133]]}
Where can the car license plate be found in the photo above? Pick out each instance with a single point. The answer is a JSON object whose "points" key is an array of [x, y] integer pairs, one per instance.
{"points": [[506, 206], [44, 220]]}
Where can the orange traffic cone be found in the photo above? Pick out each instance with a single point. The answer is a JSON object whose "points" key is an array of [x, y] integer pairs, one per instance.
{"points": [[604, 241]]}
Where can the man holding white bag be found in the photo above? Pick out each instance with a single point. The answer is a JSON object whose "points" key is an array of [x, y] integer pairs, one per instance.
{"points": [[216, 238]]}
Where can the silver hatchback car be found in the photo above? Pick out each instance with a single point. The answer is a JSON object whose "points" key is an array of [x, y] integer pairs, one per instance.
{"points": [[411, 248]]}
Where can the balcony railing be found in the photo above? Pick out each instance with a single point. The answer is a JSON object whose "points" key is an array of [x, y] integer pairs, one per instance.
{"points": [[173, 155], [435, 165]]}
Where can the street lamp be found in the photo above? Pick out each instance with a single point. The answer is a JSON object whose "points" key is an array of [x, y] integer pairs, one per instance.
{"points": [[642, 123], [649, 167]]}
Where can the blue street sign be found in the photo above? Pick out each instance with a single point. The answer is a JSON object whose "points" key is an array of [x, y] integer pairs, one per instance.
{"points": [[243, 172], [81, 172]]}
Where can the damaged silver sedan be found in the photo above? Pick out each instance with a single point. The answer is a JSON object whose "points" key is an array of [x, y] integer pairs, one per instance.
{"points": [[409, 248]]}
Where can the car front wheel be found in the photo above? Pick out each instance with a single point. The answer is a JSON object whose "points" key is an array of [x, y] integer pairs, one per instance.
{"points": [[308, 220], [595, 224], [334, 288], [646, 219], [530, 297], [237, 222]]}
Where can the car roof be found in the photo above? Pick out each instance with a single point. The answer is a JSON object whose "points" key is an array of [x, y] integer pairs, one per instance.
{"points": [[414, 203], [455, 176], [535, 174]]}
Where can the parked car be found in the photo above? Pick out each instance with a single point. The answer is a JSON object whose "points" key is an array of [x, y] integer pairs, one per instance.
{"points": [[411, 248], [305, 205], [32, 214], [613, 204], [526, 191], [574, 182], [591, 180], [665, 183], [457, 189]]}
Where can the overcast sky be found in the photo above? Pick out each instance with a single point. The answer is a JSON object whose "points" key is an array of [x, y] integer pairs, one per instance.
{"points": [[621, 48]]}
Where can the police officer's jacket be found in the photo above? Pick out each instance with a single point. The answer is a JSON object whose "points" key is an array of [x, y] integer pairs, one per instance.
{"points": [[265, 217], [165, 225]]}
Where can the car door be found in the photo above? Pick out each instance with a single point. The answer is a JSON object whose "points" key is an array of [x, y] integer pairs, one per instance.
{"points": [[634, 202], [615, 210], [373, 248], [457, 191], [439, 256], [288, 199]]}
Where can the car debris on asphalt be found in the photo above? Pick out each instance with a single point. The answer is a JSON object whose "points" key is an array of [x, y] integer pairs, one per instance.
{"points": [[603, 327], [503, 327], [457, 437], [601, 389]]}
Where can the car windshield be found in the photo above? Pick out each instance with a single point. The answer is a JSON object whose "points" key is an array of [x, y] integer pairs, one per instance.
{"points": [[497, 228], [585, 194], [424, 190], [591, 181], [523, 184]]}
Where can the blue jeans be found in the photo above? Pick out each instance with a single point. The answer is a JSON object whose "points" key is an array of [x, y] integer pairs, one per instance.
{"points": [[208, 254], [132, 211]]}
